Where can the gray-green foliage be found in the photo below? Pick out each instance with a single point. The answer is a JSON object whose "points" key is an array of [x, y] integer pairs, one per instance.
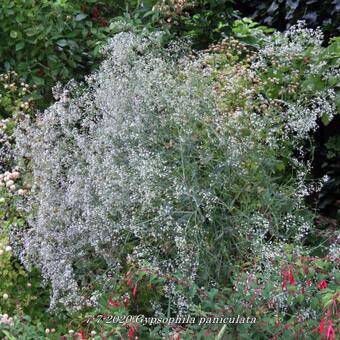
{"points": [[145, 164]]}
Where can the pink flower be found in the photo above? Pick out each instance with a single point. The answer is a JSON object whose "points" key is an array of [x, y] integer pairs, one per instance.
{"points": [[322, 284], [131, 332], [82, 334], [291, 278], [113, 303], [330, 334], [321, 326], [134, 291]]}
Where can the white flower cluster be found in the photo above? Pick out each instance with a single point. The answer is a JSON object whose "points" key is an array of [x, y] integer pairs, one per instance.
{"points": [[6, 152], [100, 179], [141, 163], [290, 45], [5, 319]]}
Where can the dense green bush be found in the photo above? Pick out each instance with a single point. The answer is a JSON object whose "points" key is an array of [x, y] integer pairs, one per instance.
{"points": [[202, 21], [46, 41]]}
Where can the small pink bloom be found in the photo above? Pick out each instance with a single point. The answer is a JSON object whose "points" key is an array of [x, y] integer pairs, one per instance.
{"points": [[82, 334], [321, 326], [291, 278], [330, 334], [113, 303], [134, 291], [322, 284], [131, 332]]}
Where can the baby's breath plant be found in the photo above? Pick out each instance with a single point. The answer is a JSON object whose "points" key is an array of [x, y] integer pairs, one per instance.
{"points": [[170, 161]]}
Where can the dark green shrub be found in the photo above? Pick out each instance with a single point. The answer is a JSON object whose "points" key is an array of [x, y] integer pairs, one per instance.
{"points": [[282, 14], [46, 41], [203, 21]]}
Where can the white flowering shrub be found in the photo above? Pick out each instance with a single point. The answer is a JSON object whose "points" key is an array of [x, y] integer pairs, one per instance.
{"points": [[166, 160]]}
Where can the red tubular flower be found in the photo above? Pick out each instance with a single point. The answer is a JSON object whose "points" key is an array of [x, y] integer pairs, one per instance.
{"points": [[131, 332], [321, 326], [129, 282], [322, 284], [291, 278], [309, 282], [134, 291], [330, 334], [303, 290], [82, 334], [113, 303]]}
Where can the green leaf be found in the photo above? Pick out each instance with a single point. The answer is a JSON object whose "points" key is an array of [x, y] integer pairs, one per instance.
{"points": [[38, 81], [8, 335], [280, 166], [300, 298], [30, 32], [325, 120], [62, 43], [19, 46], [13, 34], [80, 16]]}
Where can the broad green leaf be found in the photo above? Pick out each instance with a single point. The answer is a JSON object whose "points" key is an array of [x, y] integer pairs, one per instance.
{"points": [[80, 16], [62, 43], [19, 46]]}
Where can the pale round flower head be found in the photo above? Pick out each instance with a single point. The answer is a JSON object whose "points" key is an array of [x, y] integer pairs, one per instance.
{"points": [[9, 183], [21, 192]]}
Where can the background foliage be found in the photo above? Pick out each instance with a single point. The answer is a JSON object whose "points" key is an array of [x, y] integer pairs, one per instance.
{"points": [[282, 14], [47, 41]]}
